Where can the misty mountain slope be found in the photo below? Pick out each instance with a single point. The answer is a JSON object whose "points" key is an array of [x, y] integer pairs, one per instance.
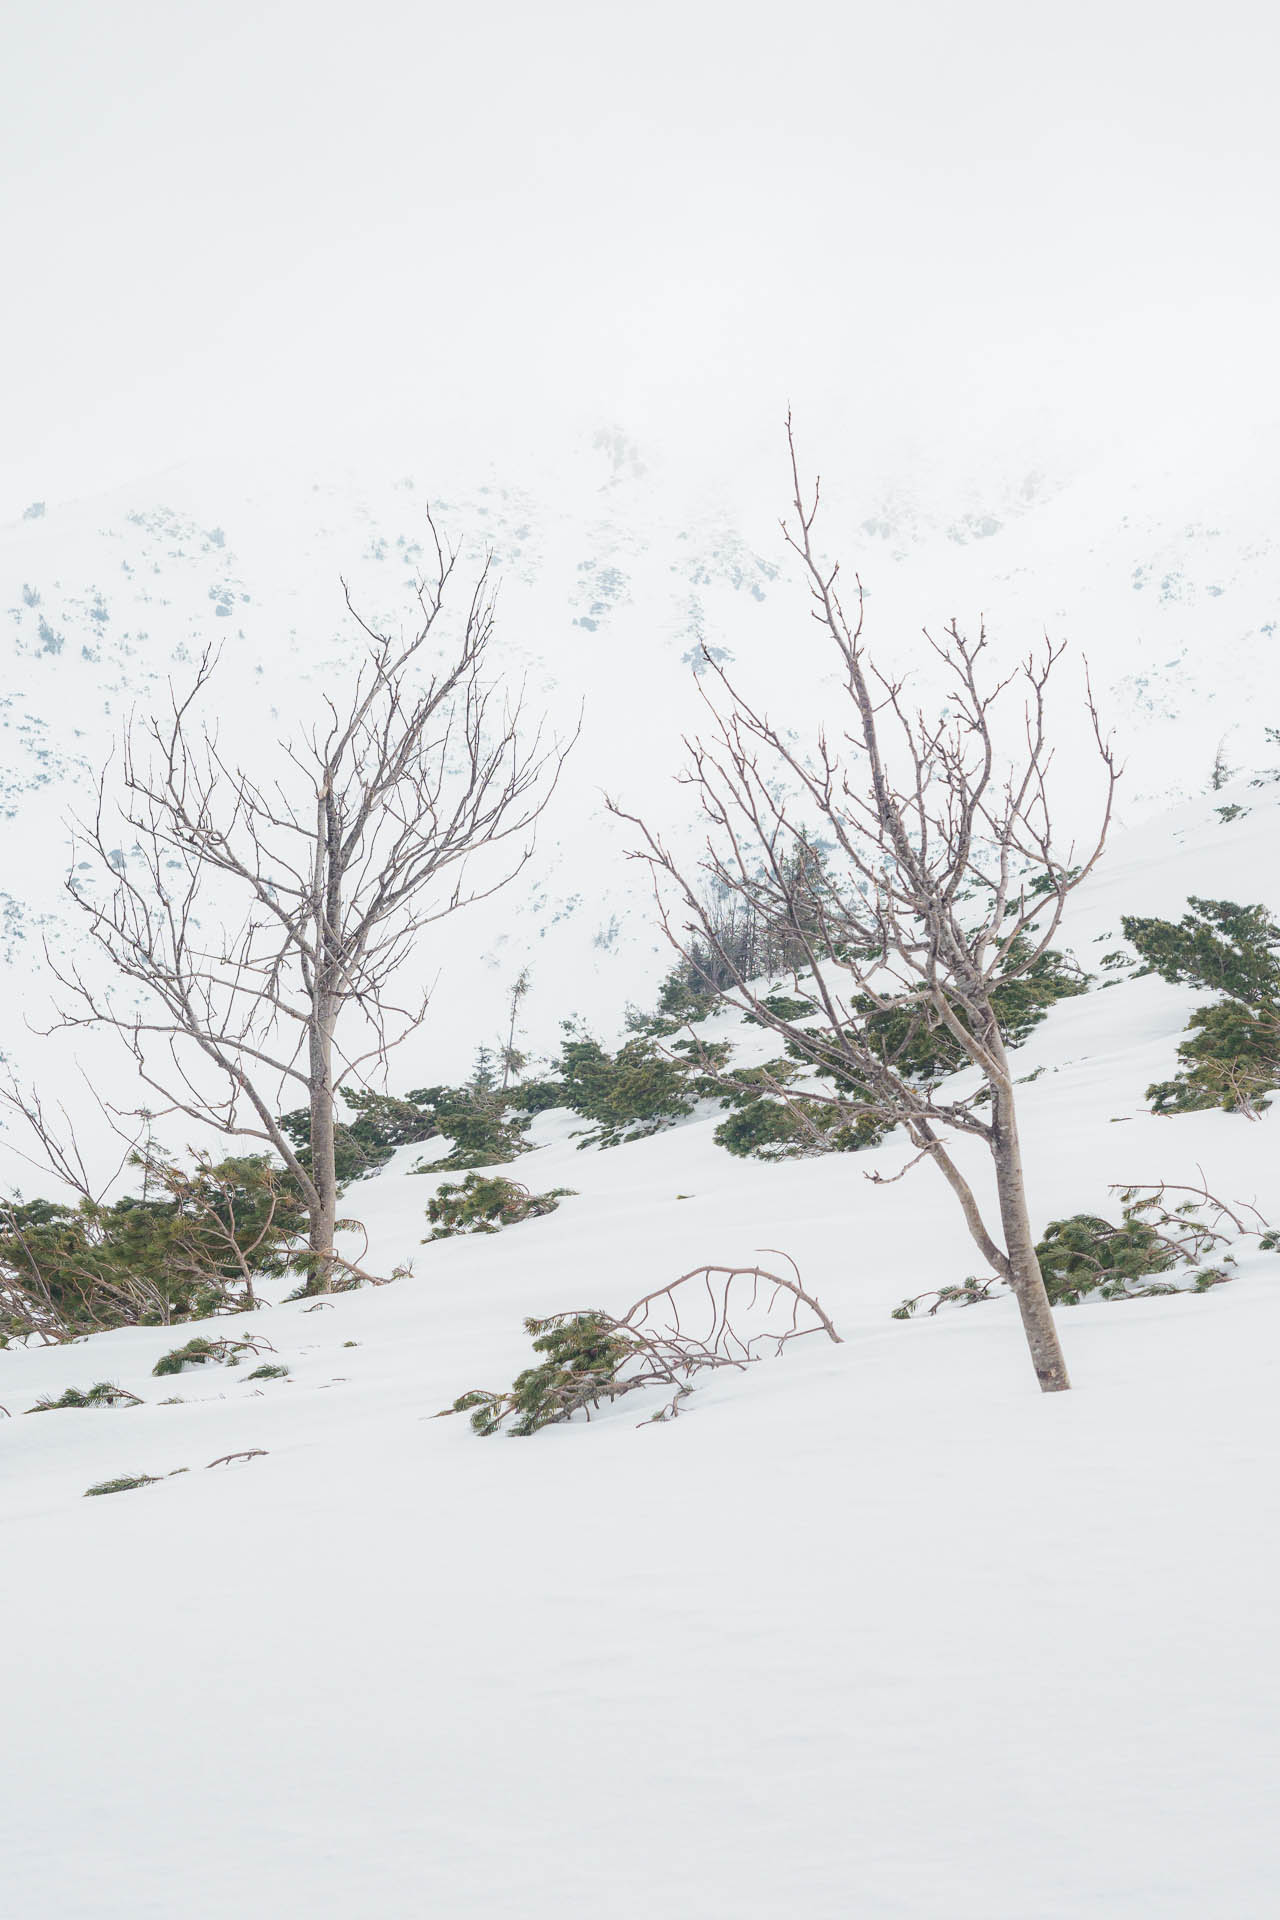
{"points": [[871, 1628], [610, 582]]}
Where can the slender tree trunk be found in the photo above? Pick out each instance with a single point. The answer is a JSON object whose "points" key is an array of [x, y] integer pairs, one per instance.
{"points": [[324, 1210], [1025, 1276]]}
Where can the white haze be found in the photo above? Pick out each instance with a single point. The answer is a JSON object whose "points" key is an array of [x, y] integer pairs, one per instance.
{"points": [[957, 240]]}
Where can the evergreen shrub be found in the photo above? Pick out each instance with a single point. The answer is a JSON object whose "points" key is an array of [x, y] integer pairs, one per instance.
{"points": [[1231, 1061], [1086, 1257], [1231, 1057], [202, 1352], [485, 1205], [1218, 945], [584, 1353], [105, 1394], [627, 1095], [178, 1253]]}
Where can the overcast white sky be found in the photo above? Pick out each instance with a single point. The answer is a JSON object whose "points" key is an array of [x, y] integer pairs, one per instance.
{"points": [[259, 224]]}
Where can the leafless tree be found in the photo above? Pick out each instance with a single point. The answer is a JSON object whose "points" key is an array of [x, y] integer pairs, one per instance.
{"points": [[908, 866], [262, 915]]}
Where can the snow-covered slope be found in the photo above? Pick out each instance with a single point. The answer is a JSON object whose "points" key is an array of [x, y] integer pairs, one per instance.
{"points": [[873, 1629], [1161, 567]]}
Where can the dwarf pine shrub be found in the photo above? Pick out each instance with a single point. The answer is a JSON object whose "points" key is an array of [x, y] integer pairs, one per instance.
{"points": [[181, 1251], [104, 1394], [1087, 1257], [583, 1355], [481, 1204], [765, 1125], [908, 1037], [201, 1352], [592, 1356], [484, 1123], [911, 1039], [196, 1353], [785, 1006], [1217, 945], [688, 994], [362, 1145], [1231, 1056], [766, 1128], [1230, 1060], [626, 1095], [1086, 1254], [124, 1483]]}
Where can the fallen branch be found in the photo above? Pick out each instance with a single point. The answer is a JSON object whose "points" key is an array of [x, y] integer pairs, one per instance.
{"points": [[966, 1293], [664, 1339], [1180, 1223]]}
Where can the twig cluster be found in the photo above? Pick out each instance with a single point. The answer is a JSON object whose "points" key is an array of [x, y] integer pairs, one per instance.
{"points": [[1179, 1225]]}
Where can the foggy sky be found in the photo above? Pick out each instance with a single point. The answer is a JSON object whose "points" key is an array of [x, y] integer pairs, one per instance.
{"points": [[930, 227]]}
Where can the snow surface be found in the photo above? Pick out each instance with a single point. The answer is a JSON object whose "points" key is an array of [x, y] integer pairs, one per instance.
{"points": [[872, 1629]]}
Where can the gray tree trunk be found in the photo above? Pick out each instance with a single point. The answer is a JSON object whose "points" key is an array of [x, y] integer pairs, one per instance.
{"points": [[324, 1209], [1025, 1276]]}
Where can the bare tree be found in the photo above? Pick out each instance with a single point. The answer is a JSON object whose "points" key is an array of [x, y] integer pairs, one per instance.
{"points": [[255, 910], [943, 880]]}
